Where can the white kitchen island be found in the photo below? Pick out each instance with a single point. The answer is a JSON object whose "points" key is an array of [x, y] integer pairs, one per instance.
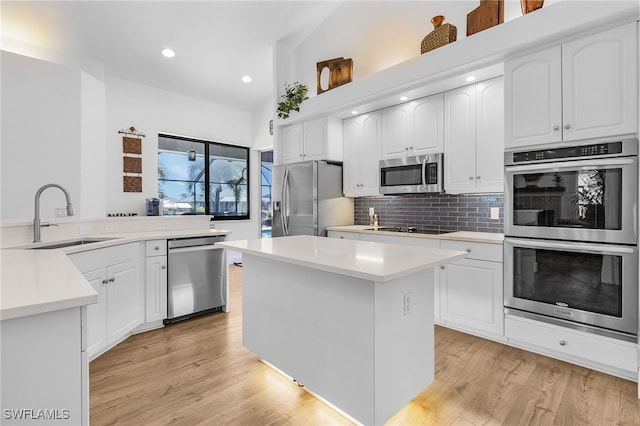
{"points": [[350, 320]]}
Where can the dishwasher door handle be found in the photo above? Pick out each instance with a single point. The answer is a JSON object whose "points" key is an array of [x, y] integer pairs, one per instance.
{"points": [[194, 248]]}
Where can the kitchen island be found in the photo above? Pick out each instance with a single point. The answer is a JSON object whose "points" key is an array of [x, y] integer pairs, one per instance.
{"points": [[352, 321]]}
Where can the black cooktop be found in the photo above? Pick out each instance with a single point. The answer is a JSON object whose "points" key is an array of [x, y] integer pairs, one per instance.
{"points": [[409, 230]]}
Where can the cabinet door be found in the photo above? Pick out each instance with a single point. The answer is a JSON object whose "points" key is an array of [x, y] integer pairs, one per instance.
{"points": [[291, 144], [396, 134], [471, 292], [369, 169], [428, 125], [315, 139], [97, 313], [490, 135], [600, 84], [459, 140], [156, 291], [533, 101], [124, 311], [351, 165]]}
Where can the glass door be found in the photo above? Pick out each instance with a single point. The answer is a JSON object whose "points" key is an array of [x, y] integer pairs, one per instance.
{"points": [[266, 212]]}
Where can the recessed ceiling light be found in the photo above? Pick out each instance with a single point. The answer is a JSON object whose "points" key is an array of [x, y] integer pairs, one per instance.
{"points": [[403, 98], [246, 79], [471, 78], [354, 112], [168, 53]]}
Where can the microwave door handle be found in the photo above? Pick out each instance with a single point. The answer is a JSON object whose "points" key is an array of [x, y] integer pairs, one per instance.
{"points": [[424, 172], [591, 248], [570, 164]]}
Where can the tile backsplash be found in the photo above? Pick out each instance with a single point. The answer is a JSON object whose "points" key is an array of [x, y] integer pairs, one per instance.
{"points": [[445, 212]]}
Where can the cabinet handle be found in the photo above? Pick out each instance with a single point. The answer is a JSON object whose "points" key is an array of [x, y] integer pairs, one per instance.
{"points": [[406, 149], [470, 177], [410, 147], [556, 128], [163, 267], [112, 279], [441, 266], [156, 248], [478, 177], [468, 250], [105, 281], [563, 343], [567, 126]]}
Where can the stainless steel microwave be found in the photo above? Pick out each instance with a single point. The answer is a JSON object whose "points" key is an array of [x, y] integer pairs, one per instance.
{"points": [[412, 175]]}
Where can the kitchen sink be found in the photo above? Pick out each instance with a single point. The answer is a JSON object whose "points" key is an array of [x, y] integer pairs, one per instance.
{"points": [[72, 243]]}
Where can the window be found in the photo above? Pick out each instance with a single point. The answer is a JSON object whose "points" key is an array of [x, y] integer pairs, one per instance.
{"points": [[201, 177]]}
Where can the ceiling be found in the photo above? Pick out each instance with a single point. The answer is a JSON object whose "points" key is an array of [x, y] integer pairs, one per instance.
{"points": [[216, 42]]}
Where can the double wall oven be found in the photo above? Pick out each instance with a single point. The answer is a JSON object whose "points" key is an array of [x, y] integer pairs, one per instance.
{"points": [[571, 236]]}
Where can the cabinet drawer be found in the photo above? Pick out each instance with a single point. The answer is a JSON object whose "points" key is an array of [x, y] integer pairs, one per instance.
{"points": [[478, 251], [156, 248], [343, 235], [91, 260], [588, 346], [405, 241]]}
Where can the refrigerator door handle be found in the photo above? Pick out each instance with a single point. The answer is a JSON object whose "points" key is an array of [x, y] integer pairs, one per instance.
{"points": [[284, 214]]}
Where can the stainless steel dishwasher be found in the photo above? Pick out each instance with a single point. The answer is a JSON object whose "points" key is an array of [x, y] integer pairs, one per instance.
{"points": [[197, 277]]}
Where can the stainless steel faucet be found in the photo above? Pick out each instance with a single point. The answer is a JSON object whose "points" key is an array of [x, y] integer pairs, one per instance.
{"points": [[36, 220]]}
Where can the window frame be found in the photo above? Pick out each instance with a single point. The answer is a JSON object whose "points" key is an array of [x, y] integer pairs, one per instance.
{"points": [[207, 190]]}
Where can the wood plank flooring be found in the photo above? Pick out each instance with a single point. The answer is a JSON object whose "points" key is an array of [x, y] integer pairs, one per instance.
{"points": [[198, 373]]}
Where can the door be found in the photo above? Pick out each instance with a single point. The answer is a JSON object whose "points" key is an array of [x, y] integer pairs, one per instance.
{"points": [[123, 299], [428, 125], [315, 140], [396, 135], [459, 140], [353, 151], [292, 143], [369, 169], [97, 313], [490, 135], [300, 198], [600, 84], [156, 291], [533, 101]]}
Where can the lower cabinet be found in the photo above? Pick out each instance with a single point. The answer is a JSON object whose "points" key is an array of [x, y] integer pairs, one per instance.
{"points": [[156, 281], [114, 272]]}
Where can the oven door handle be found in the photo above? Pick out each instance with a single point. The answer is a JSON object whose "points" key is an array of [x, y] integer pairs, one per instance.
{"points": [[595, 248], [194, 248], [570, 164]]}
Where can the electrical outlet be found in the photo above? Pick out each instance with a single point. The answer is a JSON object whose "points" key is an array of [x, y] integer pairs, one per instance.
{"points": [[83, 230], [495, 213], [163, 226], [407, 303], [371, 211], [111, 228]]}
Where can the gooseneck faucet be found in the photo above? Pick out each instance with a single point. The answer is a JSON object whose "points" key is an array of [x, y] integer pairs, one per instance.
{"points": [[36, 220]]}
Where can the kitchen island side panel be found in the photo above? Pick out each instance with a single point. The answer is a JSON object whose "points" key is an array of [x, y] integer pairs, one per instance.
{"points": [[346, 339]]}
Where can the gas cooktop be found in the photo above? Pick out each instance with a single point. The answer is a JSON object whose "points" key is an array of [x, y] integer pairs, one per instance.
{"points": [[409, 230]]}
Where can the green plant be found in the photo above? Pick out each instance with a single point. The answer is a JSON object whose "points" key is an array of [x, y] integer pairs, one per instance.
{"points": [[293, 96]]}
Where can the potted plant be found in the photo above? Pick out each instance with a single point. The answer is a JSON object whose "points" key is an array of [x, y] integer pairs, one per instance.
{"points": [[293, 96]]}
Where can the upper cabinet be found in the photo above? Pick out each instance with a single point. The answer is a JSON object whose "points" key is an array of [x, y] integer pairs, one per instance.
{"points": [[413, 128], [474, 138], [583, 89], [361, 138], [319, 139]]}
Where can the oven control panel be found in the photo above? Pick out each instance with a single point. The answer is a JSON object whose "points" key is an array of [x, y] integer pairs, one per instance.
{"points": [[595, 150]]}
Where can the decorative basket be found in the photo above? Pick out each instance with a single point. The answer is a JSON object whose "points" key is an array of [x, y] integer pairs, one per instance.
{"points": [[441, 35]]}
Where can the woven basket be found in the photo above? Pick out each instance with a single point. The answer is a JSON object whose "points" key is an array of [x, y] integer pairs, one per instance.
{"points": [[442, 34]]}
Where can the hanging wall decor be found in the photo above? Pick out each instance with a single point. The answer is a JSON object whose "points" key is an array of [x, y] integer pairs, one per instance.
{"points": [[132, 160], [340, 71]]}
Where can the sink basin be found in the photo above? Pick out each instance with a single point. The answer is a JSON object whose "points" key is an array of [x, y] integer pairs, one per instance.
{"points": [[72, 243]]}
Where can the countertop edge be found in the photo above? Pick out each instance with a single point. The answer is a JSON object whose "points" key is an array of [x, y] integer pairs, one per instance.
{"points": [[481, 237]]}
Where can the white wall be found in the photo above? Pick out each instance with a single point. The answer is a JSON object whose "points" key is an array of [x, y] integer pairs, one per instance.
{"points": [[41, 135], [390, 34]]}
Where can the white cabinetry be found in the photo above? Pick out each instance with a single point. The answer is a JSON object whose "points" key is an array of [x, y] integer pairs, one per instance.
{"points": [[474, 138], [413, 128], [114, 272], [319, 139], [44, 367], [156, 281], [343, 235], [361, 138], [583, 89], [471, 289]]}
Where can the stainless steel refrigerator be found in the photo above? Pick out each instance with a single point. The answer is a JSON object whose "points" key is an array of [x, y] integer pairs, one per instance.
{"points": [[307, 197]]}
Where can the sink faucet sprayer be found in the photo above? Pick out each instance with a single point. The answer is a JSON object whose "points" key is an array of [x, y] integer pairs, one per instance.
{"points": [[36, 220]]}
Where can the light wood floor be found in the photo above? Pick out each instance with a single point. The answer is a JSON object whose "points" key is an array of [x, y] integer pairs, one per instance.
{"points": [[198, 373]]}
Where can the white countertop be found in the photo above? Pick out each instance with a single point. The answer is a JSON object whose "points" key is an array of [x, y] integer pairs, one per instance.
{"points": [[361, 259], [478, 237], [39, 281]]}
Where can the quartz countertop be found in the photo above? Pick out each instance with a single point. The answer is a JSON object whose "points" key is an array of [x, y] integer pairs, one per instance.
{"points": [[373, 261], [39, 281], [477, 237]]}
